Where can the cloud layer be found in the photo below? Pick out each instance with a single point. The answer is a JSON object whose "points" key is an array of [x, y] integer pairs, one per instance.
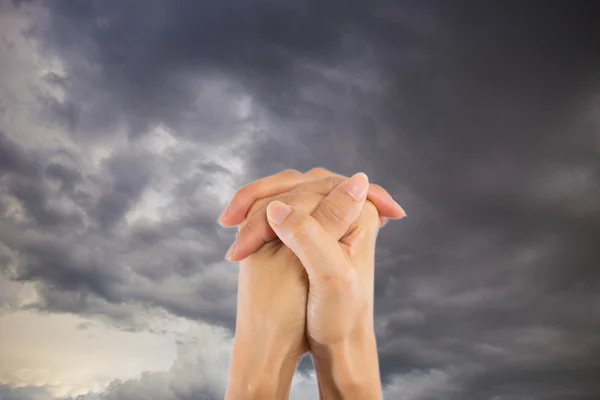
{"points": [[125, 128]]}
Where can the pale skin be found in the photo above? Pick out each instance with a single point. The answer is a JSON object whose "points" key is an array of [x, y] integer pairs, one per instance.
{"points": [[306, 283]]}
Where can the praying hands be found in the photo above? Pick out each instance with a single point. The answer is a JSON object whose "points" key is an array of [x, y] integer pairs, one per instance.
{"points": [[306, 247]]}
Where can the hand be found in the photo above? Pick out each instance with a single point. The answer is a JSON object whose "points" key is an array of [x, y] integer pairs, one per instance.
{"points": [[270, 325], [340, 267], [288, 186], [260, 288]]}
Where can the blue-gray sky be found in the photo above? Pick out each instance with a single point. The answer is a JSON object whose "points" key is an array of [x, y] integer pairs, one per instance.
{"points": [[126, 126]]}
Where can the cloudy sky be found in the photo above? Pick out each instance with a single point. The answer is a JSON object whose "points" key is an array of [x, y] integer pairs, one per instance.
{"points": [[125, 127]]}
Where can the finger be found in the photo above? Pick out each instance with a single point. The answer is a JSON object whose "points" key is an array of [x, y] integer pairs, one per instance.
{"points": [[272, 186], [381, 199], [256, 231], [336, 212], [320, 186], [362, 232], [236, 210], [384, 202], [341, 208], [260, 206], [318, 251]]}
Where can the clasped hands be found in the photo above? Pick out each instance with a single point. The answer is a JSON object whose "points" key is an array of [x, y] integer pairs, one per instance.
{"points": [[306, 246]]}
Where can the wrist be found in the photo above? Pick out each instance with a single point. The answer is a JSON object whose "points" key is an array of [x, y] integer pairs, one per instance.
{"points": [[349, 369], [260, 371]]}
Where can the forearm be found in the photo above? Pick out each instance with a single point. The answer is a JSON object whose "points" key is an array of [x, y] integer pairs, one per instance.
{"points": [[259, 373], [350, 369]]}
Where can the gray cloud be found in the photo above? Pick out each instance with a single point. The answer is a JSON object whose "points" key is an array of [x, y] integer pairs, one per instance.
{"points": [[482, 119], [24, 393], [97, 257]]}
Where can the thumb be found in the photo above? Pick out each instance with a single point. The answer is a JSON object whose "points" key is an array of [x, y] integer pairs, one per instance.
{"points": [[340, 209], [318, 251]]}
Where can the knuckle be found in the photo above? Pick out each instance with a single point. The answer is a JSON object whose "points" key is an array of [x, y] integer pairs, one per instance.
{"points": [[249, 190], [306, 201], [370, 210], [376, 186], [317, 171], [256, 206], [259, 204], [290, 173], [333, 181], [309, 201], [245, 191], [332, 212], [248, 227], [240, 193], [302, 234], [288, 197]]}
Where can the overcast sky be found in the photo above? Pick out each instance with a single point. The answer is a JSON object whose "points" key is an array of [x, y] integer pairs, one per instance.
{"points": [[126, 126]]}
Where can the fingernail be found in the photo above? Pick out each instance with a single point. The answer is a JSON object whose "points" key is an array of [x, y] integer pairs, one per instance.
{"points": [[223, 215], [357, 185], [401, 210], [277, 212], [225, 212], [230, 252]]}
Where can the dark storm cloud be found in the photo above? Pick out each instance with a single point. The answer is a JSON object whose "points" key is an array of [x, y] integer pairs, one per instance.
{"points": [[130, 176], [483, 136], [493, 128], [147, 58], [492, 155], [73, 240], [14, 159], [22, 176], [477, 116], [67, 176]]}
